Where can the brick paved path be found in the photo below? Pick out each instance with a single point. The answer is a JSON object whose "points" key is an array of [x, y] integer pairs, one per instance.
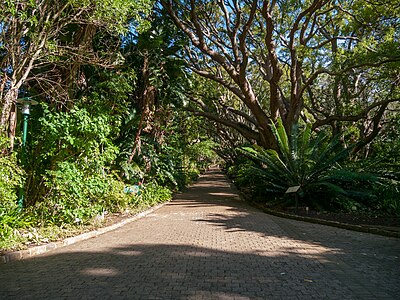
{"points": [[207, 244]]}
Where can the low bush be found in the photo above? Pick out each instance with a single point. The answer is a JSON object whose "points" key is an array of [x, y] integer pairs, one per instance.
{"points": [[11, 175], [386, 189], [11, 178], [184, 177], [310, 162], [154, 193], [74, 196], [12, 219]]}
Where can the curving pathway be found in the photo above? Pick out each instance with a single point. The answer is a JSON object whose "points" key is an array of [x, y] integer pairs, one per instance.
{"points": [[207, 244]]}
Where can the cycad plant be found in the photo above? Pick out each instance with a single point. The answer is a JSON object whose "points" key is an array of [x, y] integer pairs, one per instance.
{"points": [[308, 161]]}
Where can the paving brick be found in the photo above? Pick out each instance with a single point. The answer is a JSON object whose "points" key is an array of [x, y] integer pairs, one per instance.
{"points": [[208, 244]]}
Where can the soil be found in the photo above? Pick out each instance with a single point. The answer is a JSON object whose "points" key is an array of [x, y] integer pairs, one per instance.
{"points": [[355, 218], [369, 219]]}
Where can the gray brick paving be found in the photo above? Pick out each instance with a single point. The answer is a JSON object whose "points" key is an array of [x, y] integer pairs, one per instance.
{"points": [[208, 244]]}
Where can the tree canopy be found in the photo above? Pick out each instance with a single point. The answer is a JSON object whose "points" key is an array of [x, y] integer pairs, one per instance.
{"points": [[319, 61], [44, 43]]}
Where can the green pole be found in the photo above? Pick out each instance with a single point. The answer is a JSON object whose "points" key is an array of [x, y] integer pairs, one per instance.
{"points": [[23, 159]]}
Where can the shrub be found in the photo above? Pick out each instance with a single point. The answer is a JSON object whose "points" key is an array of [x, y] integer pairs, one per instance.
{"points": [[12, 220], [11, 175], [312, 163], [11, 178], [154, 193], [75, 196], [387, 188]]}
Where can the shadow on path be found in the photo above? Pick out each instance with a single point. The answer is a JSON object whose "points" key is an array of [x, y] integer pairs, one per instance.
{"points": [[168, 272], [208, 244]]}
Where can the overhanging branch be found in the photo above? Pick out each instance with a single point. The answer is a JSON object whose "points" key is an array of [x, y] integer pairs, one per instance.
{"points": [[241, 128]]}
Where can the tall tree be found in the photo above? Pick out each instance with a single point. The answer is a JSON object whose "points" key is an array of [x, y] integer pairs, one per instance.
{"points": [[293, 48], [161, 77], [36, 35]]}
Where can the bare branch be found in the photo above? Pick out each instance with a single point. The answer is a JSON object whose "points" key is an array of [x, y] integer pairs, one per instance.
{"points": [[353, 118]]}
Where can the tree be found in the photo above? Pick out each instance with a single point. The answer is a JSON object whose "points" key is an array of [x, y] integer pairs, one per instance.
{"points": [[39, 36], [161, 78], [294, 48]]}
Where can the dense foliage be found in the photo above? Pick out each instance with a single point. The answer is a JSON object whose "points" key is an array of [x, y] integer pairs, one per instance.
{"points": [[314, 164], [136, 98], [97, 145]]}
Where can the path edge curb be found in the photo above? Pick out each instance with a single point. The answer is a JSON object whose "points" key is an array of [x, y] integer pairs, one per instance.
{"points": [[359, 228], [28, 253]]}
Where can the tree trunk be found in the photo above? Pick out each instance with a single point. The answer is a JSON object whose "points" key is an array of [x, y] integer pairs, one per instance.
{"points": [[149, 93], [9, 115]]}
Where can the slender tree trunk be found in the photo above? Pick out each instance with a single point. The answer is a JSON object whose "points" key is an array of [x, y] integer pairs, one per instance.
{"points": [[147, 102], [136, 144], [8, 119], [83, 43]]}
